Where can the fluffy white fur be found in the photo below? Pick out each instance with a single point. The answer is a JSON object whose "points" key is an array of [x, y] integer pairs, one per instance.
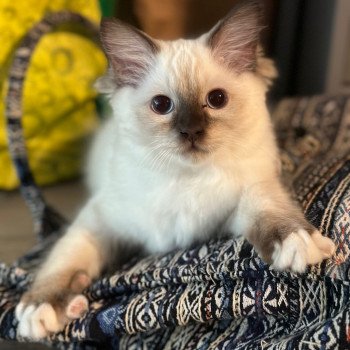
{"points": [[147, 189], [159, 192]]}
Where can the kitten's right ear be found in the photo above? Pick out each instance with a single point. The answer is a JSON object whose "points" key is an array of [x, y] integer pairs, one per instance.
{"points": [[130, 52]]}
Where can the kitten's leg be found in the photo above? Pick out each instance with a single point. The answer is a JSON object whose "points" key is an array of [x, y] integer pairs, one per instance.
{"points": [[277, 229], [55, 297]]}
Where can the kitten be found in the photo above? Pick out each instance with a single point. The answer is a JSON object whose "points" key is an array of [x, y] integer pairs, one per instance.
{"points": [[189, 151]]}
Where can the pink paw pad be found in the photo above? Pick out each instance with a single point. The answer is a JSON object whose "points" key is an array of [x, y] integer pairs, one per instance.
{"points": [[79, 281], [77, 307]]}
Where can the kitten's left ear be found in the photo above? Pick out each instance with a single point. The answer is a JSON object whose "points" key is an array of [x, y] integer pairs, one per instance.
{"points": [[234, 39]]}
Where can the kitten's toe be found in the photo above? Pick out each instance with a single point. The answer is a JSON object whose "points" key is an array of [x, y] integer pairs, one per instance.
{"points": [[24, 328], [290, 254], [77, 307], [324, 244], [37, 322], [44, 321]]}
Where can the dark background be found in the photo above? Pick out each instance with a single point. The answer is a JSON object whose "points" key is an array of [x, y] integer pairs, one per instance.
{"points": [[297, 34]]}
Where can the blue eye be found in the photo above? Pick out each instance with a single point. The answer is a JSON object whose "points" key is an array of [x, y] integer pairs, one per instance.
{"points": [[162, 104]]}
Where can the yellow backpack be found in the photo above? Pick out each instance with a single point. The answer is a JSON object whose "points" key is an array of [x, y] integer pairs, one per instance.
{"points": [[59, 110]]}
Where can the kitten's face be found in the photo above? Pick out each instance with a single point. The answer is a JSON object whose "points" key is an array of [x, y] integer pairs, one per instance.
{"points": [[191, 106], [188, 99]]}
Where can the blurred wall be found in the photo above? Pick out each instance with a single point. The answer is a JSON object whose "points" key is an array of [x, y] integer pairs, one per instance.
{"points": [[172, 19], [300, 35], [302, 45]]}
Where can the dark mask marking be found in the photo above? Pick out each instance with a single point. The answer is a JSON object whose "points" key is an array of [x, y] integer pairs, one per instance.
{"points": [[190, 119]]}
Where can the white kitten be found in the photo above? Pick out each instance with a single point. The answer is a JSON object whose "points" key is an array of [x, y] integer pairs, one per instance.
{"points": [[189, 152]]}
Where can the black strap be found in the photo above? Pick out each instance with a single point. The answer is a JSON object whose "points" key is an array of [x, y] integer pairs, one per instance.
{"points": [[47, 221]]}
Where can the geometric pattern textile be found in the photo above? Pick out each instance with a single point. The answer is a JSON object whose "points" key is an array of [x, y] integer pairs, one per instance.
{"points": [[220, 294]]}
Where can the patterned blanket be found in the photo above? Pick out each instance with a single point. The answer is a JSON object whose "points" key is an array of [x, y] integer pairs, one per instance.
{"points": [[220, 295]]}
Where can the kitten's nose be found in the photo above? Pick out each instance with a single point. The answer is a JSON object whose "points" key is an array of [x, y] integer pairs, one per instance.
{"points": [[192, 134]]}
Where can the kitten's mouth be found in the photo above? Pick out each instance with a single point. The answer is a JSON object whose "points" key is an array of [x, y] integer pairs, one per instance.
{"points": [[193, 148]]}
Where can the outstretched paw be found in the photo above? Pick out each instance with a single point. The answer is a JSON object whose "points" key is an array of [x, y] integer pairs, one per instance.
{"points": [[48, 308], [300, 249], [39, 321]]}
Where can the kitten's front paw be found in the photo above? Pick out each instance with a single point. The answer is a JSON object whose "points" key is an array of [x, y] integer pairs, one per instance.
{"points": [[37, 321], [47, 309], [300, 249]]}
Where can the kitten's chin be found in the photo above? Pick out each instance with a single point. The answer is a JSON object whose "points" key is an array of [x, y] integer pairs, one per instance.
{"points": [[194, 154]]}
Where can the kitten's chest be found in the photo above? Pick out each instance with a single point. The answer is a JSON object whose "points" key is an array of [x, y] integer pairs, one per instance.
{"points": [[168, 212]]}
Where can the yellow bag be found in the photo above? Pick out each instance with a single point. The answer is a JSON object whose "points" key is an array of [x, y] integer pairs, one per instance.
{"points": [[58, 101]]}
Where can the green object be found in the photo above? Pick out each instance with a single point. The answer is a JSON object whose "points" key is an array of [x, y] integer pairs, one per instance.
{"points": [[103, 107], [108, 7], [108, 10]]}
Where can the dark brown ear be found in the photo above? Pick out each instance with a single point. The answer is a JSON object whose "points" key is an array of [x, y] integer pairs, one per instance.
{"points": [[234, 39], [130, 51]]}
